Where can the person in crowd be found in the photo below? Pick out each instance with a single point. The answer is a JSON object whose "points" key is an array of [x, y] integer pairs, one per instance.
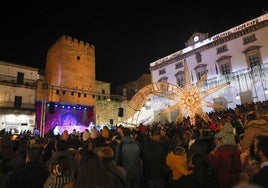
{"points": [[48, 149], [61, 173], [250, 162], [33, 174], [246, 185], [65, 135], [176, 160], [106, 135], [203, 175], [225, 158], [253, 126], [154, 161], [61, 148], [85, 135], [198, 144], [163, 139], [106, 154], [94, 135], [261, 151], [129, 155], [93, 174], [238, 126]]}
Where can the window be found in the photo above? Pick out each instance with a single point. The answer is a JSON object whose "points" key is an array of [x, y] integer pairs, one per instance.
{"points": [[78, 57], [163, 79], [225, 68], [225, 65], [178, 65], [253, 56], [200, 73], [253, 60], [20, 78], [198, 57], [200, 70], [162, 71], [180, 78], [17, 101], [249, 39], [222, 49]]}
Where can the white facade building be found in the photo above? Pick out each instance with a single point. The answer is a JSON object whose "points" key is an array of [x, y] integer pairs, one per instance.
{"points": [[238, 55], [17, 97]]}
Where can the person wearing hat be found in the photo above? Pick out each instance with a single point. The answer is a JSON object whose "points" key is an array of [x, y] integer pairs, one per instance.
{"points": [[225, 158], [106, 154]]}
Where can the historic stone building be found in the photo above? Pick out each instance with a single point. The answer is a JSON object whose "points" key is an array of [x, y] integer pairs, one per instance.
{"points": [[17, 97], [131, 88], [238, 55]]}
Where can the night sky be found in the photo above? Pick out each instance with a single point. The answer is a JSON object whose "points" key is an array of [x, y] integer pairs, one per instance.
{"points": [[128, 35]]}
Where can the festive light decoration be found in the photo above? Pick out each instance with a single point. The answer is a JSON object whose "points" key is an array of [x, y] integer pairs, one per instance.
{"points": [[190, 100]]}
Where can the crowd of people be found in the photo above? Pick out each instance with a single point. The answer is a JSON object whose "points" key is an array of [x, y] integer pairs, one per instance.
{"points": [[230, 151]]}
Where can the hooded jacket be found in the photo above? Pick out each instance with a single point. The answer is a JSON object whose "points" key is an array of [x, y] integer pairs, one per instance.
{"points": [[177, 164], [253, 128]]}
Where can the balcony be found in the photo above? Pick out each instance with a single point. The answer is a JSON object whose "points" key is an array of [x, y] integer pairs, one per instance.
{"points": [[12, 81], [10, 106]]}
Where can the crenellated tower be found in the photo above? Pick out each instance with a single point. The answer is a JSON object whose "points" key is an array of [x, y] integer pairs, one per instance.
{"points": [[70, 72]]}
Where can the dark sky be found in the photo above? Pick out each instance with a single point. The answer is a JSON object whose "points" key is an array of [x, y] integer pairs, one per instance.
{"points": [[128, 35]]}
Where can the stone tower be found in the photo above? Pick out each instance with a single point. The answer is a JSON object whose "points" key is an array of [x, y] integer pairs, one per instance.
{"points": [[70, 72]]}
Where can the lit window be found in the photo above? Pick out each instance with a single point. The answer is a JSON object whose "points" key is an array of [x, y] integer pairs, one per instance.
{"points": [[200, 70], [180, 79], [225, 65], [253, 56], [253, 60]]}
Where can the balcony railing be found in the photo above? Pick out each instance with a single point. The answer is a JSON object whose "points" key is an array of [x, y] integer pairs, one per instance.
{"points": [[8, 104], [12, 81]]}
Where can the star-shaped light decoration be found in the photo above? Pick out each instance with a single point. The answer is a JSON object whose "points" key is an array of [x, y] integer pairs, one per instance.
{"points": [[190, 99]]}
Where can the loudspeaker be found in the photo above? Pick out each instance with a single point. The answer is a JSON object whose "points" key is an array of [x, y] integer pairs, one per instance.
{"points": [[120, 112], [111, 121], [51, 107]]}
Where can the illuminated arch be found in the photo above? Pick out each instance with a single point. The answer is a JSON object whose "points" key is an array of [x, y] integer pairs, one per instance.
{"points": [[140, 98]]}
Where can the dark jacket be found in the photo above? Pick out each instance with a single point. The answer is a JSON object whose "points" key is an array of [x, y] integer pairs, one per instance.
{"points": [[261, 178], [33, 175], [155, 160], [128, 152]]}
